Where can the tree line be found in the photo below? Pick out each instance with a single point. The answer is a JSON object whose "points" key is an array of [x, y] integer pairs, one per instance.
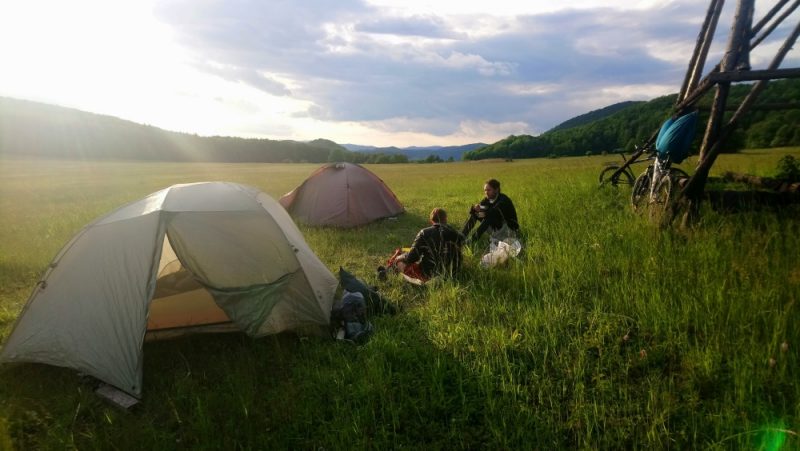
{"points": [[634, 124], [39, 130]]}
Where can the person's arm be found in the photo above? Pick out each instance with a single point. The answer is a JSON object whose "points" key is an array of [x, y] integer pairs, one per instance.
{"points": [[472, 218], [485, 223], [459, 237], [503, 212], [484, 207], [510, 214], [414, 255]]}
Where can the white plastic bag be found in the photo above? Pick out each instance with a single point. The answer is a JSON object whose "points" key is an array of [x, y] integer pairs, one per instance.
{"points": [[500, 252]]}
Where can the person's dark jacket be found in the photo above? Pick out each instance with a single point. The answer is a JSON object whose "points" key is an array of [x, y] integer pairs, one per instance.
{"points": [[438, 249], [497, 213]]}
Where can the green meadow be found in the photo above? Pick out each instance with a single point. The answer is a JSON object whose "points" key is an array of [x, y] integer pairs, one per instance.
{"points": [[605, 333]]}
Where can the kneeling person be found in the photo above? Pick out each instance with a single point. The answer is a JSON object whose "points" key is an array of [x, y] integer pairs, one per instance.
{"points": [[437, 248]]}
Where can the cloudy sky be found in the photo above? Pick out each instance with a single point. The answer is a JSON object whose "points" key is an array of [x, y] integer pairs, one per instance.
{"points": [[379, 72]]}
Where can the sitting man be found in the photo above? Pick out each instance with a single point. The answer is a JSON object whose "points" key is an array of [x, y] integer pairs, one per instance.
{"points": [[493, 212], [437, 249]]}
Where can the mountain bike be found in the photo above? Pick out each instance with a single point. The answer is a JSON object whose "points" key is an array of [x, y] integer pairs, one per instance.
{"points": [[616, 174], [653, 188]]}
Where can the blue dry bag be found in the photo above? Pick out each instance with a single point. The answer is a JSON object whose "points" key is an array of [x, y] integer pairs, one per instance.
{"points": [[675, 137]]}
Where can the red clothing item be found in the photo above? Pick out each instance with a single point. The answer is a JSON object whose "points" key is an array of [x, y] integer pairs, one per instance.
{"points": [[412, 270]]}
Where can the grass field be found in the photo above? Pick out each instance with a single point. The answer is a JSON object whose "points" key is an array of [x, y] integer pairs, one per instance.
{"points": [[607, 333]]}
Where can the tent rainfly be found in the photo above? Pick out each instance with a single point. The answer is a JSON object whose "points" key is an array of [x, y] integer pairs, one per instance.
{"points": [[199, 257], [341, 195]]}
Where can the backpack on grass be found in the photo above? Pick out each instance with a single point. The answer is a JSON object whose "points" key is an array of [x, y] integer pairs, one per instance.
{"points": [[349, 318]]}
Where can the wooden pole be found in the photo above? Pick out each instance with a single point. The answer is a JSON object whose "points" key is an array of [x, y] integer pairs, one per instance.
{"points": [[757, 27], [743, 59], [692, 95], [689, 197], [715, 117], [737, 42], [696, 184], [758, 87], [753, 75], [773, 106], [704, 39], [775, 24], [695, 70]]}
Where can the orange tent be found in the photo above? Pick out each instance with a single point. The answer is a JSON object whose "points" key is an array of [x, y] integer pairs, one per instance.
{"points": [[341, 195]]}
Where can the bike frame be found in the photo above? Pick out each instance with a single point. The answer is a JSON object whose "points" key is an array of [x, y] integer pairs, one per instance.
{"points": [[660, 169], [634, 158]]}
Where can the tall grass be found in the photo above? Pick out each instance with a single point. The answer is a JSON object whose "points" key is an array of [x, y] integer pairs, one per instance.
{"points": [[604, 333]]}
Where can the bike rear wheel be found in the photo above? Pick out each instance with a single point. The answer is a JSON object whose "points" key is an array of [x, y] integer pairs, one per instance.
{"points": [[624, 177]]}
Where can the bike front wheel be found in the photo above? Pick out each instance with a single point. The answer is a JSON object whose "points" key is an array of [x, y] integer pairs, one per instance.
{"points": [[678, 173], [640, 192], [661, 197]]}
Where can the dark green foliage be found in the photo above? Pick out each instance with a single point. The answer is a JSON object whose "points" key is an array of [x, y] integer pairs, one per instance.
{"points": [[624, 128], [788, 169], [336, 155], [592, 116], [774, 128], [633, 123], [377, 158], [416, 153], [432, 159]]}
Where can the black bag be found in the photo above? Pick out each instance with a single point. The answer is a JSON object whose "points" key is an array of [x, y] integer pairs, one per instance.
{"points": [[376, 304], [349, 318]]}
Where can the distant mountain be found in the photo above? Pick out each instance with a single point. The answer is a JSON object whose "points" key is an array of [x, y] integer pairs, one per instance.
{"points": [[41, 130], [38, 129], [418, 152], [594, 115], [371, 149]]}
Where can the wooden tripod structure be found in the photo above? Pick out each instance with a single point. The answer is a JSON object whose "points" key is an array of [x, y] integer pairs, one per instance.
{"points": [[734, 67]]}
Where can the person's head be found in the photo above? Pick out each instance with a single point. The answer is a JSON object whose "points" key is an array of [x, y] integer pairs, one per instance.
{"points": [[438, 215], [491, 188]]}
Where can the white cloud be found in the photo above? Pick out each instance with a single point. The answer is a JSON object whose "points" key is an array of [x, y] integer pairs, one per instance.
{"points": [[462, 61], [502, 7], [377, 72], [535, 89]]}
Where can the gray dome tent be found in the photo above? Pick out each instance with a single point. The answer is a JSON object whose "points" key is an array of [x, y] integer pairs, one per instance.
{"points": [[190, 258]]}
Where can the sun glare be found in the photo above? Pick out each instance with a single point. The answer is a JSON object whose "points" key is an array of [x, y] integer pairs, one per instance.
{"points": [[115, 58]]}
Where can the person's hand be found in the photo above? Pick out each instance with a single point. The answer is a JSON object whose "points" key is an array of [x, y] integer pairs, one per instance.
{"points": [[482, 214], [400, 265]]}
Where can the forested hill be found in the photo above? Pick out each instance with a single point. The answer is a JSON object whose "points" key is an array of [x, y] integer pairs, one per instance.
{"points": [[635, 123], [36, 129], [41, 130], [594, 115], [417, 152]]}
